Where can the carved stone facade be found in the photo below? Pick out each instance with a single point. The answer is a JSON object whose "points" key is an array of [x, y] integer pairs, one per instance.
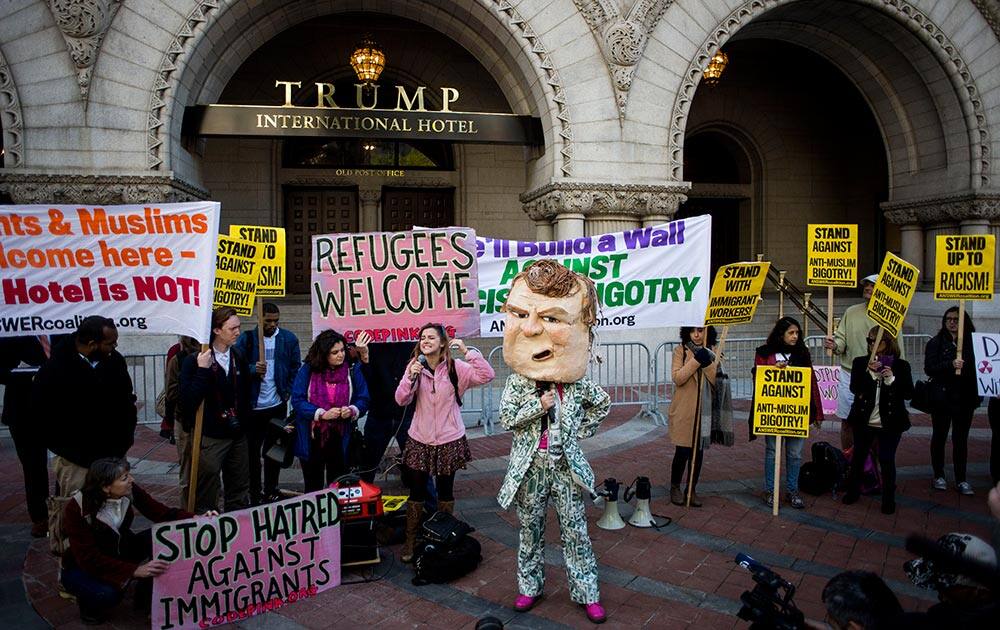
{"points": [[950, 209], [10, 118], [622, 38], [83, 24], [37, 188], [595, 199]]}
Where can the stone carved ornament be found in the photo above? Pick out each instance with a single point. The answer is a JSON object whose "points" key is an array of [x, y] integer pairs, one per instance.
{"points": [[635, 200], [30, 188], [10, 118], [83, 24], [948, 209], [622, 36]]}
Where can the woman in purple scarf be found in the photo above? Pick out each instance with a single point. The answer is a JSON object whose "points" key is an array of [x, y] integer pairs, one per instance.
{"points": [[328, 396]]}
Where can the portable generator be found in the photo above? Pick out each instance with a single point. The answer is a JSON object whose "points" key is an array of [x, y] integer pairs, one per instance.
{"points": [[360, 505]]}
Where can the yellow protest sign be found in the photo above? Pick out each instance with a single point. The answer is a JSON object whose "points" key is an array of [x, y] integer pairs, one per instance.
{"points": [[271, 282], [735, 292], [832, 256], [781, 401], [236, 273], [963, 267], [897, 282]]}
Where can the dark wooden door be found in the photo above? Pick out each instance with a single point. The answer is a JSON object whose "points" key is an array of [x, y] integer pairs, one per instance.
{"points": [[403, 208], [725, 227], [310, 211]]}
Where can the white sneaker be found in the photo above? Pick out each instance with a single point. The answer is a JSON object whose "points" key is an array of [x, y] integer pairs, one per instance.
{"points": [[966, 489], [940, 484]]}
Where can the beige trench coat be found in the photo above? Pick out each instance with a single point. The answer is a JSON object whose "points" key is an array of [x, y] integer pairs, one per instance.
{"points": [[683, 369]]}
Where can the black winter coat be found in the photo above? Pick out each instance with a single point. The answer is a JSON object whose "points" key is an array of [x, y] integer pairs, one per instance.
{"points": [[88, 412], [16, 351], [960, 390], [892, 399], [220, 392]]}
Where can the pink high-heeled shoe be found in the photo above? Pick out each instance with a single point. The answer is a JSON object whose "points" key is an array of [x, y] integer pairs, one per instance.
{"points": [[524, 603], [595, 612]]}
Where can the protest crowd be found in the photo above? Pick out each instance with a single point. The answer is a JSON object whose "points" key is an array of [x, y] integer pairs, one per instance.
{"points": [[250, 404]]}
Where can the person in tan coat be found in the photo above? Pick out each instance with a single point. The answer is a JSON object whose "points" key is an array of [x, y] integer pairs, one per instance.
{"points": [[693, 360]]}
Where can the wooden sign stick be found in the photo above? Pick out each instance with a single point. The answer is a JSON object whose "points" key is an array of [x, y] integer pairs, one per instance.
{"points": [[878, 340], [961, 332], [776, 497], [199, 421], [829, 318]]}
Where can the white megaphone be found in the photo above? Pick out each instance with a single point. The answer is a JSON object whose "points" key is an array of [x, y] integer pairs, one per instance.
{"points": [[641, 517], [611, 519]]}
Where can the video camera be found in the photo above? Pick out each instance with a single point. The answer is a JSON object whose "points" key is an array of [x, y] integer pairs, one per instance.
{"points": [[769, 604]]}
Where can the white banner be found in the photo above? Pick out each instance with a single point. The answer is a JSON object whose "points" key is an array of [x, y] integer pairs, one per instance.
{"points": [[149, 267], [987, 350], [646, 278]]}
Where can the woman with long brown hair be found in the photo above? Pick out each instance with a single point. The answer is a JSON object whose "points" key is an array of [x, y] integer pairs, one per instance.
{"points": [[434, 382]]}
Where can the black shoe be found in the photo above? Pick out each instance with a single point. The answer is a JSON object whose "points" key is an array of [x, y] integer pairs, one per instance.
{"points": [[167, 434], [888, 506], [851, 497], [90, 617]]}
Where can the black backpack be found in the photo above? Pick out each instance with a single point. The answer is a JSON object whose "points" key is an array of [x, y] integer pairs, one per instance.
{"points": [[826, 472], [445, 552]]}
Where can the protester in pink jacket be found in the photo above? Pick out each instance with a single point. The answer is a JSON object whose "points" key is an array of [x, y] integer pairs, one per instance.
{"points": [[435, 383]]}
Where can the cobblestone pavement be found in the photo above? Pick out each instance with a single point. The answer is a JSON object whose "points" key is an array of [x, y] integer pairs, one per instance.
{"points": [[679, 576]]}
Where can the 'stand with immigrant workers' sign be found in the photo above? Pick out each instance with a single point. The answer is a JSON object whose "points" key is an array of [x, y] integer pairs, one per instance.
{"points": [[392, 283], [237, 267], [645, 278], [964, 266], [735, 293], [986, 347], [897, 282], [147, 267], [781, 401], [231, 567], [271, 280], [832, 256]]}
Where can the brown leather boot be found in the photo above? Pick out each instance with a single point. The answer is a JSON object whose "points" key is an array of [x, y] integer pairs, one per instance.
{"points": [[448, 507], [414, 513], [676, 496]]}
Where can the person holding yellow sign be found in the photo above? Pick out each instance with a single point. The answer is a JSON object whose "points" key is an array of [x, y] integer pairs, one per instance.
{"points": [[881, 388], [785, 347]]}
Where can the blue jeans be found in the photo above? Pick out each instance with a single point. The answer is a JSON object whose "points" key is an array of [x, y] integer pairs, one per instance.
{"points": [[793, 461], [94, 596]]}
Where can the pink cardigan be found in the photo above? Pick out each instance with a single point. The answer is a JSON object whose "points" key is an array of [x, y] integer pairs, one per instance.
{"points": [[437, 418]]}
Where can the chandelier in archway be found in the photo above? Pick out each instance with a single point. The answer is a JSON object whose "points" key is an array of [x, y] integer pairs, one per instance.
{"points": [[368, 61], [716, 66]]}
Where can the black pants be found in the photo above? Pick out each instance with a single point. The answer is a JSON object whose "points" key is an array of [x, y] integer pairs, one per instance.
{"points": [[994, 414], [325, 463], [682, 456], [416, 481], [259, 440], [864, 437], [30, 447], [960, 420], [380, 429]]}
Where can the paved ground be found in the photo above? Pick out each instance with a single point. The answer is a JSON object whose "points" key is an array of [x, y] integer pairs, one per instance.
{"points": [[680, 576]]}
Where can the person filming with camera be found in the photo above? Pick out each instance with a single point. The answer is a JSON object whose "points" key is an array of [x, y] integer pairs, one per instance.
{"points": [[219, 377]]}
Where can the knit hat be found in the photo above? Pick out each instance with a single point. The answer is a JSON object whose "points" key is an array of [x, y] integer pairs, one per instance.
{"points": [[923, 572]]}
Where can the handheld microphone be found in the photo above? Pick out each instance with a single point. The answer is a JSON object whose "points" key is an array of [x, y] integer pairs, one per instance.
{"points": [[422, 360], [540, 388]]}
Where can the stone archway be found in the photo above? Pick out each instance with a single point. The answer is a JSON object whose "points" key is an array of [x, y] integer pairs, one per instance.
{"points": [[491, 29], [912, 27]]}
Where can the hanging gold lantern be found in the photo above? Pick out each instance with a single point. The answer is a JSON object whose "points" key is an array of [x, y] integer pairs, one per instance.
{"points": [[716, 66], [368, 61]]}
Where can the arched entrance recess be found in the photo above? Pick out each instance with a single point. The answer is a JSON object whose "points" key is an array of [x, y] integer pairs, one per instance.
{"points": [[217, 39]]}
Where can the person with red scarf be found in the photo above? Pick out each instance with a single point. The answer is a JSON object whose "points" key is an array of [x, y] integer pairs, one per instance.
{"points": [[329, 394]]}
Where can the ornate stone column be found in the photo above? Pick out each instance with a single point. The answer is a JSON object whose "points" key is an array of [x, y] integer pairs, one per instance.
{"points": [[912, 237], [577, 209], [370, 199]]}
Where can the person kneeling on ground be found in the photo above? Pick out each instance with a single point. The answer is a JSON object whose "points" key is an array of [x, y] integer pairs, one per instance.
{"points": [[104, 554]]}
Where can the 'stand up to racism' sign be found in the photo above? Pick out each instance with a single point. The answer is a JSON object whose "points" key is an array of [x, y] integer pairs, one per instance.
{"points": [[146, 267], [232, 567], [645, 278], [781, 401], [391, 283], [964, 267]]}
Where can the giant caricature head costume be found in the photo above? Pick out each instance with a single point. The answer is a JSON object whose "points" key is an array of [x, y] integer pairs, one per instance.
{"points": [[550, 313]]}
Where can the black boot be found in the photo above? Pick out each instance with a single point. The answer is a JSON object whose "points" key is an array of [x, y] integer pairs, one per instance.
{"points": [[888, 500]]}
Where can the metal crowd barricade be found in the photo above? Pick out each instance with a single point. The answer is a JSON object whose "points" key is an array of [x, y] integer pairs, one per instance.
{"points": [[148, 372], [475, 404]]}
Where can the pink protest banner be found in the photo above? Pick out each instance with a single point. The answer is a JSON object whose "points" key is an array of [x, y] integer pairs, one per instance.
{"points": [[391, 283], [241, 564], [828, 378]]}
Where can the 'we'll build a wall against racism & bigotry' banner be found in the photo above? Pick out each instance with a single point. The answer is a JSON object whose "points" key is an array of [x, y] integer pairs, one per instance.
{"points": [[147, 267], [645, 278]]}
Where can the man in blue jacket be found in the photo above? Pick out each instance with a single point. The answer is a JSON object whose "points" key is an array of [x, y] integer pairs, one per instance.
{"points": [[270, 393]]}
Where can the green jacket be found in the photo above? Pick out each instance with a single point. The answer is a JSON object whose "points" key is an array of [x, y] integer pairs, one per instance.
{"points": [[583, 407]]}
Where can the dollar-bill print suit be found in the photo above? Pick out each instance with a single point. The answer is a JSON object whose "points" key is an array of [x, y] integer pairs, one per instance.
{"points": [[550, 404]]}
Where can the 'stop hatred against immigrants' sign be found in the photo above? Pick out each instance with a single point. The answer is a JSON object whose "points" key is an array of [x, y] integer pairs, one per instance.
{"points": [[410, 117]]}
